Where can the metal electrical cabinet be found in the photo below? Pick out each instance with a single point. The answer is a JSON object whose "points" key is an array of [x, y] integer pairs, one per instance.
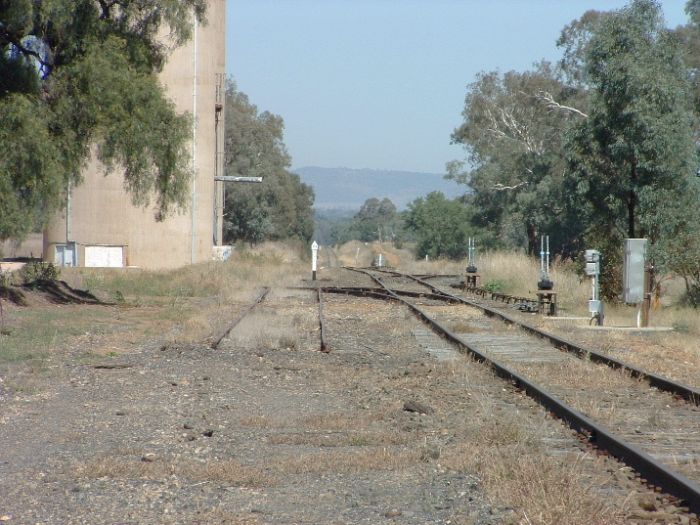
{"points": [[633, 271]]}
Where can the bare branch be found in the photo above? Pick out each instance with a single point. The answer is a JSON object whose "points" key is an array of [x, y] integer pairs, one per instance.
{"points": [[500, 187], [501, 119], [548, 100]]}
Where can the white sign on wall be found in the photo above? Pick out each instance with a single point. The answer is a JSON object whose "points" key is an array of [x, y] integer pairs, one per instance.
{"points": [[104, 256]]}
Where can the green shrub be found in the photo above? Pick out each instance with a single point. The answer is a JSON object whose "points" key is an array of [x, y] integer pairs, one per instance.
{"points": [[495, 285], [39, 271]]}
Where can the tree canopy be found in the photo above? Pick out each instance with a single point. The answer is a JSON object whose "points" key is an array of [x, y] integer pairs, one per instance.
{"points": [[513, 133], [441, 226], [78, 74], [377, 220], [631, 160]]}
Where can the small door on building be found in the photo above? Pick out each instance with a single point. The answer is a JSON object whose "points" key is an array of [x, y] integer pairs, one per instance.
{"points": [[64, 255], [104, 256]]}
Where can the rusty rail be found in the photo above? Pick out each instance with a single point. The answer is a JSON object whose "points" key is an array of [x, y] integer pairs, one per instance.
{"points": [[319, 295], [215, 344]]}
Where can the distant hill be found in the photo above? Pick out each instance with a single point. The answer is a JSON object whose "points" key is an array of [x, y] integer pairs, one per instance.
{"points": [[346, 188]]}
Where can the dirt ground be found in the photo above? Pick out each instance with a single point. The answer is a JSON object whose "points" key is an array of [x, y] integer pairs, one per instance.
{"points": [[129, 425]]}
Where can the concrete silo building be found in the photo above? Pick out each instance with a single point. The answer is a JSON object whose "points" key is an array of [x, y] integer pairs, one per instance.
{"points": [[102, 228]]}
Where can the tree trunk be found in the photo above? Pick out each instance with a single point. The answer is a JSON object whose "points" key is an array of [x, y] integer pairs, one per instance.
{"points": [[531, 239], [632, 202]]}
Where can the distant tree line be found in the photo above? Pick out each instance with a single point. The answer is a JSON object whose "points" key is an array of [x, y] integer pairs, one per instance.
{"points": [[435, 225], [377, 220]]}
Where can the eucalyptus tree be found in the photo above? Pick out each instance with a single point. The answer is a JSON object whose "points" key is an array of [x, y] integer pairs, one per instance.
{"points": [[631, 159], [513, 130], [82, 74], [441, 226], [376, 220]]}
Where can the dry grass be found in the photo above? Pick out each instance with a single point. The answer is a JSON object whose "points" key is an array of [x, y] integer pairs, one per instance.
{"points": [[491, 439], [268, 264], [343, 421], [133, 467], [263, 421], [585, 375], [516, 470], [519, 275], [269, 330], [199, 300], [338, 439], [333, 429], [444, 266], [181, 306], [277, 466], [546, 489], [35, 334], [223, 517], [358, 460], [672, 354]]}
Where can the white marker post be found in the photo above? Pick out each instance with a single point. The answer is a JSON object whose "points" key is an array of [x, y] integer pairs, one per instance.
{"points": [[314, 259]]}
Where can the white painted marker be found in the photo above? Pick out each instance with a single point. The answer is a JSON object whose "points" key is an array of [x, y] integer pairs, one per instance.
{"points": [[314, 259]]}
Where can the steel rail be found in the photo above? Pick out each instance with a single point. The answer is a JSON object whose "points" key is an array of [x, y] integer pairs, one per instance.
{"points": [[322, 329], [686, 392], [652, 471], [215, 344], [363, 291]]}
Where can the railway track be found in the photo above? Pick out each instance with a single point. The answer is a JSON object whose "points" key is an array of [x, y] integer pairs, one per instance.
{"points": [[686, 392], [616, 408], [216, 341]]}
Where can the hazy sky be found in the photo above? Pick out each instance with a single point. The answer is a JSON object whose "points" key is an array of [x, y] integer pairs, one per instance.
{"points": [[381, 83]]}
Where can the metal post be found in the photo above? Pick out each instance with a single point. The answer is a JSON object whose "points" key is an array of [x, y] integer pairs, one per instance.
{"points": [[595, 305], [544, 284], [646, 304], [471, 256], [542, 257], [314, 259]]}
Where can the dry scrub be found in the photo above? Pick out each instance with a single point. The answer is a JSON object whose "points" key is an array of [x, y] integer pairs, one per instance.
{"points": [[144, 467], [518, 469]]}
